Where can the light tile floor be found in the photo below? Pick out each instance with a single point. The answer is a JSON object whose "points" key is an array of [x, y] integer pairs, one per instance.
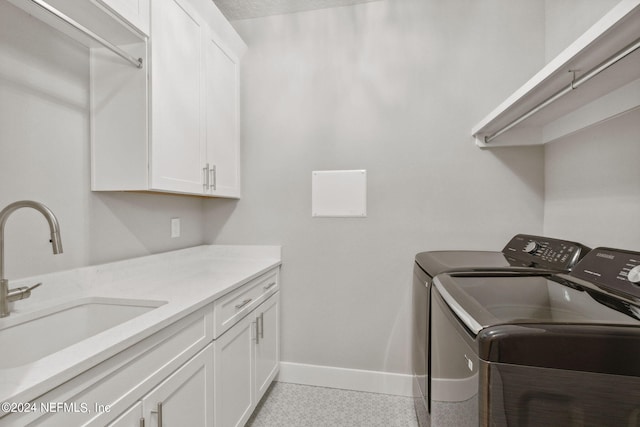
{"points": [[295, 405]]}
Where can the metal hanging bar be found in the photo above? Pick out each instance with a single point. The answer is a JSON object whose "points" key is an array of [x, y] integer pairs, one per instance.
{"points": [[575, 83], [137, 62]]}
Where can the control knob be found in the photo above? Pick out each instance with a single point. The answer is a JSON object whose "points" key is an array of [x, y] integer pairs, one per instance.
{"points": [[634, 275], [531, 247]]}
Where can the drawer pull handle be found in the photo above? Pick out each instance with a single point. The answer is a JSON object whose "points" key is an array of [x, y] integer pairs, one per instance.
{"points": [[243, 303], [269, 286]]}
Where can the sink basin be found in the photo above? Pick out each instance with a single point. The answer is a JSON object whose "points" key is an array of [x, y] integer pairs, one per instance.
{"points": [[32, 336]]}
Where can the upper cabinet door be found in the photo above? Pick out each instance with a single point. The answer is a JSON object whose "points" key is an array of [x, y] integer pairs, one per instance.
{"points": [[221, 105], [135, 12], [175, 97]]}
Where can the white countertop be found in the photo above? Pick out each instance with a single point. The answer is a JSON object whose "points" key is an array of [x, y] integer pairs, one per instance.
{"points": [[187, 280]]}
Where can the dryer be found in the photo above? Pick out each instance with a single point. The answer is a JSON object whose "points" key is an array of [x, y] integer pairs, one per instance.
{"points": [[550, 349]]}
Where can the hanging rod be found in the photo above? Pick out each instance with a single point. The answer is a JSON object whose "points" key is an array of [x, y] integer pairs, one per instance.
{"points": [[575, 83], [137, 62]]}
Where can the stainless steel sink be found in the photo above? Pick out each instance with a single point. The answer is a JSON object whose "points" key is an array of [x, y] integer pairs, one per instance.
{"points": [[32, 336]]}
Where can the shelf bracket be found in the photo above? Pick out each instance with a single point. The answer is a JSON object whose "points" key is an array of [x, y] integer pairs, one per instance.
{"points": [[573, 79]]}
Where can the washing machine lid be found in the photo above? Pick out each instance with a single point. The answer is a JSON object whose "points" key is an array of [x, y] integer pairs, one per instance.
{"points": [[482, 302], [522, 252], [436, 262]]}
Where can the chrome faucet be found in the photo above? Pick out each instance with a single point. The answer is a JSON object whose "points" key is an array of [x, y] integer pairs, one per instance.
{"points": [[8, 295]]}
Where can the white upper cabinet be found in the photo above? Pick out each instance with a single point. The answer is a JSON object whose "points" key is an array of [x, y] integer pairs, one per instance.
{"points": [[596, 78], [176, 129], [134, 12], [175, 97], [222, 127]]}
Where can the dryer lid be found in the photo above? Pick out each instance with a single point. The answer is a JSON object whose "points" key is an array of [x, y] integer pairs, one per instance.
{"points": [[481, 302]]}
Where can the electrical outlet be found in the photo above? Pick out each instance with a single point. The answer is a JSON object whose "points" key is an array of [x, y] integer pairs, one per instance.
{"points": [[175, 227]]}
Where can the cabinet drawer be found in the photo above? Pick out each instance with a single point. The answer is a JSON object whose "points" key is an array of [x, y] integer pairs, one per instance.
{"points": [[111, 387], [229, 309]]}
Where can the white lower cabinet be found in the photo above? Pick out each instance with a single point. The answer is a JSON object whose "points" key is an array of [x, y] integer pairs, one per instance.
{"points": [[233, 361], [267, 348], [202, 370], [246, 361], [185, 398], [103, 393]]}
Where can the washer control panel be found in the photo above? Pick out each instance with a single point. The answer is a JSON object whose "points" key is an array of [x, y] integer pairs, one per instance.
{"points": [[612, 268], [544, 252]]}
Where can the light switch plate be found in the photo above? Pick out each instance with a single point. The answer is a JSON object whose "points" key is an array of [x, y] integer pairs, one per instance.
{"points": [[339, 193]]}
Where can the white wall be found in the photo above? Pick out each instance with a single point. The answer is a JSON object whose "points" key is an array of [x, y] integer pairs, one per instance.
{"points": [[592, 181], [566, 20], [393, 87], [44, 156], [593, 184]]}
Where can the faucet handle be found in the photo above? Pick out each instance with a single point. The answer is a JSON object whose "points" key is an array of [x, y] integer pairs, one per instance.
{"points": [[23, 292]]}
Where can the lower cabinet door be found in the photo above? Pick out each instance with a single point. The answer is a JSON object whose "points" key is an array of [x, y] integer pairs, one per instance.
{"points": [[233, 361], [268, 344], [186, 397]]}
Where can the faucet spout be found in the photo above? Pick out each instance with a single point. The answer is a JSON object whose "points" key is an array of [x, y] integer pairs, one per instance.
{"points": [[56, 242]]}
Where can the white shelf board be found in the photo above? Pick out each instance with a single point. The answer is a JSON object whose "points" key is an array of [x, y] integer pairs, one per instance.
{"points": [[87, 13], [616, 30]]}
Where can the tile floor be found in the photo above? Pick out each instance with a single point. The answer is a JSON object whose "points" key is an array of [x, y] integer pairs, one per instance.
{"points": [[295, 405]]}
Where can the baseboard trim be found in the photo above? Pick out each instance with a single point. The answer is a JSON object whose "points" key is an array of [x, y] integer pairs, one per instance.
{"points": [[348, 379]]}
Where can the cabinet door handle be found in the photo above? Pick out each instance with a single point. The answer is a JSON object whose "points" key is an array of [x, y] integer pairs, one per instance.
{"points": [[142, 422], [255, 330], [269, 286], [159, 412], [261, 328], [205, 177], [214, 178], [243, 303]]}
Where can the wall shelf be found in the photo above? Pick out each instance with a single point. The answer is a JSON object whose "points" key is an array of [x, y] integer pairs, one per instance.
{"points": [[94, 15], [612, 92]]}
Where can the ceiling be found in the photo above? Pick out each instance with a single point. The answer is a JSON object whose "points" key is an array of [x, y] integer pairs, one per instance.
{"points": [[245, 9]]}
